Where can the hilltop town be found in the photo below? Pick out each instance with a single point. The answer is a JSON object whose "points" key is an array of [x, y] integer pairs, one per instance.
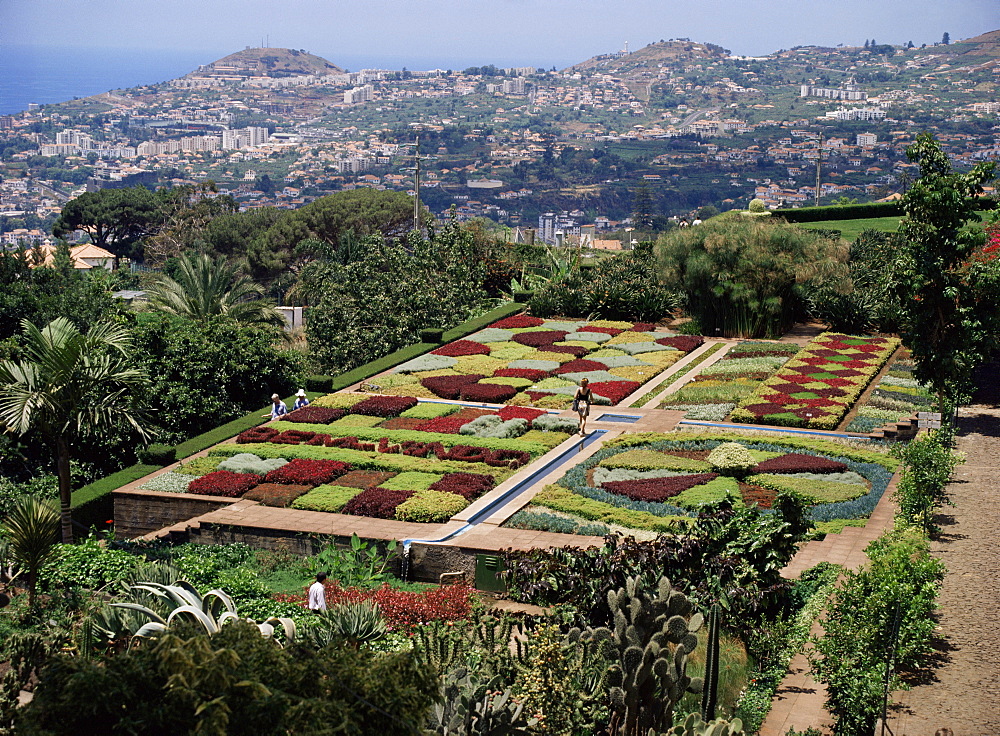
{"points": [[687, 122]]}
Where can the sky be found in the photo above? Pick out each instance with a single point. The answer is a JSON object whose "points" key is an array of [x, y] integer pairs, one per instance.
{"points": [[430, 33]]}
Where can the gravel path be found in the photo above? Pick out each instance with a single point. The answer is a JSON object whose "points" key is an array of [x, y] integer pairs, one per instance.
{"points": [[962, 691]]}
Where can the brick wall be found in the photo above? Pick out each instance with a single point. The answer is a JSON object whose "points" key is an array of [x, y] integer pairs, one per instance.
{"points": [[141, 512]]}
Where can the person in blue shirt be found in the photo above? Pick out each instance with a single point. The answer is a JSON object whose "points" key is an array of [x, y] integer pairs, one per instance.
{"points": [[300, 399], [278, 407]]}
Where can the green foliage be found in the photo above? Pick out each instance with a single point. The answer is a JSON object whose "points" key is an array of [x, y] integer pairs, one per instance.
{"points": [[813, 491], [642, 459], [29, 534], [235, 682], [326, 498], [850, 657], [361, 564], [157, 454], [89, 564], [430, 411], [430, 506], [246, 462], [927, 464], [198, 466], [491, 425], [949, 309], [113, 218], [731, 458], [757, 205], [553, 423], [693, 725], [354, 623], [746, 277]]}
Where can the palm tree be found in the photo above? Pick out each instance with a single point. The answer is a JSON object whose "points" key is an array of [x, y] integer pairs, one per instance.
{"points": [[207, 287], [69, 385], [31, 530]]}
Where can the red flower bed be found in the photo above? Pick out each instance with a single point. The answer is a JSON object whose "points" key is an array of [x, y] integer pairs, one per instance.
{"points": [[292, 437], [402, 423], [657, 489], [466, 485], [315, 415], [444, 425], [462, 347], [606, 330], [257, 434], [223, 483], [762, 410], [795, 462], [574, 350], [276, 494], [378, 503], [521, 412], [615, 391], [643, 327], [684, 343], [402, 609], [580, 366], [539, 339], [495, 458], [303, 471], [448, 387], [518, 321], [489, 393], [364, 478], [384, 406], [530, 373]]}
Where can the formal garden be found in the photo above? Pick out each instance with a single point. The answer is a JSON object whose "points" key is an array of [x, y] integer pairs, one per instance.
{"points": [[441, 367]]}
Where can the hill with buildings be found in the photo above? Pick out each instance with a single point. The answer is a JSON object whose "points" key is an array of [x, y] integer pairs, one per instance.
{"points": [[266, 62]]}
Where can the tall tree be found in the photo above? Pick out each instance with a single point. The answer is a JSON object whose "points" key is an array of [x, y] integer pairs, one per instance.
{"points": [[946, 38], [69, 385], [113, 218], [948, 310], [207, 288]]}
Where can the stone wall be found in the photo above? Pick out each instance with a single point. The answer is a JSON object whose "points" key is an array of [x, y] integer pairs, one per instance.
{"points": [[140, 512]]}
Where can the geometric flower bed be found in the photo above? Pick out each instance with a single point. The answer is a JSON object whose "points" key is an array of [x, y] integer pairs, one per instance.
{"points": [[714, 392], [651, 482], [897, 395], [817, 387], [527, 361], [379, 456]]}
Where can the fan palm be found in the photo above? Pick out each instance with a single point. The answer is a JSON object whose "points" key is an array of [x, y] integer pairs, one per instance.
{"points": [[69, 385], [206, 288], [31, 530]]}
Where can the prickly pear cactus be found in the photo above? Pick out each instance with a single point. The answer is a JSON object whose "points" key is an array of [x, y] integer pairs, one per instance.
{"points": [[649, 644], [694, 726]]}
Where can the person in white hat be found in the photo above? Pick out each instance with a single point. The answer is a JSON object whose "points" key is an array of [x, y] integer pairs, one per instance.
{"points": [[300, 399], [278, 407]]}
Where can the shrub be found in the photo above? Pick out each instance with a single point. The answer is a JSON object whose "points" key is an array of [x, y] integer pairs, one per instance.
{"points": [[554, 423], [319, 384], [539, 339], [488, 393], [379, 503], [518, 322], [658, 489], [223, 483], [448, 387], [384, 406], [246, 462], [326, 498], [301, 471], [314, 415], [410, 480], [614, 391], [275, 494], [468, 485], [795, 462], [429, 506], [156, 454], [757, 205], [731, 458], [491, 425], [462, 347], [431, 335]]}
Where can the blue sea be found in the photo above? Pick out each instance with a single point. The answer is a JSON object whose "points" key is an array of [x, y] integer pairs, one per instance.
{"points": [[53, 74]]}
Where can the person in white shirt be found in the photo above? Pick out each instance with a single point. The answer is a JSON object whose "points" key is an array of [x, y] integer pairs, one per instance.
{"points": [[317, 594], [300, 399]]}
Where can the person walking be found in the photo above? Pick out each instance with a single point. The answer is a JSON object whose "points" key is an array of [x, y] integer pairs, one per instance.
{"points": [[581, 403], [300, 399], [278, 407], [317, 594]]}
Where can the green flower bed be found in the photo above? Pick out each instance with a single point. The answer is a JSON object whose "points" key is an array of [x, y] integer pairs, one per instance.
{"points": [[411, 480], [329, 498], [430, 507]]}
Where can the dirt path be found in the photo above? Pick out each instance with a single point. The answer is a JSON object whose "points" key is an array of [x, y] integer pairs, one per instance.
{"points": [[962, 693]]}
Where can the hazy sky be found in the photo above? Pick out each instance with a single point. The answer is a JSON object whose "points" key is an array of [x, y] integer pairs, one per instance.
{"points": [[532, 32]]}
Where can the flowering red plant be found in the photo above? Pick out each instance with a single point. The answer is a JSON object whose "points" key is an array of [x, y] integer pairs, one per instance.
{"points": [[795, 462], [489, 393], [462, 347], [467, 485], [657, 489], [518, 321], [684, 343], [520, 412], [384, 406], [314, 415], [539, 339], [580, 366], [304, 471], [257, 434], [379, 503], [223, 483], [529, 373], [448, 387], [615, 391]]}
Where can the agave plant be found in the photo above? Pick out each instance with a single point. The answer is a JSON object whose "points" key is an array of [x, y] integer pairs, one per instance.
{"points": [[212, 611], [356, 623]]}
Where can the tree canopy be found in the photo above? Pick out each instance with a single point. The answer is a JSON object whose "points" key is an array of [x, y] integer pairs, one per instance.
{"points": [[113, 218]]}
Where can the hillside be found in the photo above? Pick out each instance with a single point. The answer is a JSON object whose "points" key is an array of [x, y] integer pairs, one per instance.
{"points": [[651, 56], [266, 62]]}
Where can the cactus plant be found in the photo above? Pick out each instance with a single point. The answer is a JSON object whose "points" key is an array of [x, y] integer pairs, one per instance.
{"points": [[710, 689], [693, 725], [649, 644]]}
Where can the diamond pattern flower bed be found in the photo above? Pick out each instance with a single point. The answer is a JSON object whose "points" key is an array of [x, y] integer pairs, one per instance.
{"points": [[818, 386], [315, 415]]}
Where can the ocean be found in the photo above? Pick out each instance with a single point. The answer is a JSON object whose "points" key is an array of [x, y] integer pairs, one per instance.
{"points": [[52, 74]]}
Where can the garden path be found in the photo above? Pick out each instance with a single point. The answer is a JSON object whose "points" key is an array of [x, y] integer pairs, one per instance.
{"points": [[962, 691]]}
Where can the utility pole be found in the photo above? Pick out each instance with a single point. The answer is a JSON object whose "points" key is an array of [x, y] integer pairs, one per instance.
{"points": [[819, 166], [416, 182]]}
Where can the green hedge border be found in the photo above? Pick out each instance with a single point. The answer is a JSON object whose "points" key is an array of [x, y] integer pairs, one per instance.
{"points": [[856, 211], [91, 495]]}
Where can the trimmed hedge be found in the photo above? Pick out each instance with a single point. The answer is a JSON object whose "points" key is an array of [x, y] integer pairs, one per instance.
{"points": [[157, 454], [842, 212]]}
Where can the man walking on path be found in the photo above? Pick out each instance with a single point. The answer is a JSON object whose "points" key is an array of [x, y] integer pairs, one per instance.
{"points": [[317, 594]]}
